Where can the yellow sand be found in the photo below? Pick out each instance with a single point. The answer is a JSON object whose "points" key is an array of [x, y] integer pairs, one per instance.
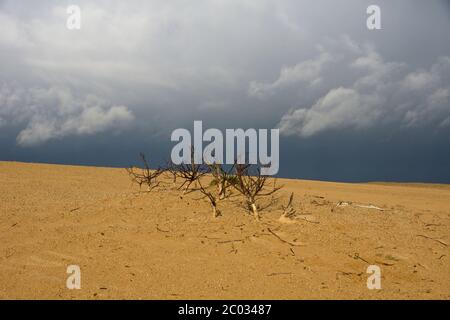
{"points": [[163, 246]]}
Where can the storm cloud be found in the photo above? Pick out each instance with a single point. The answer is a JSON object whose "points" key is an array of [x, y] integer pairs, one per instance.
{"points": [[138, 69], [382, 93]]}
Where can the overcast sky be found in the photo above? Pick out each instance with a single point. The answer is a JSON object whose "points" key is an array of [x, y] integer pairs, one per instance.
{"points": [[351, 104]]}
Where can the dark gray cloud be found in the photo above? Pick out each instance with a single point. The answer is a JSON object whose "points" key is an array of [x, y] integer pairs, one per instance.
{"points": [[139, 69]]}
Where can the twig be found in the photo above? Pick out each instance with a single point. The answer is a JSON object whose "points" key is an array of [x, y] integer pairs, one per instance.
{"points": [[432, 225], [282, 240], [289, 211], [160, 230], [232, 241], [437, 240], [210, 238], [356, 257]]}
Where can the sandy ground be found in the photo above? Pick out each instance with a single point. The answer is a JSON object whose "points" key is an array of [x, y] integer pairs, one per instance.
{"points": [[161, 246]]}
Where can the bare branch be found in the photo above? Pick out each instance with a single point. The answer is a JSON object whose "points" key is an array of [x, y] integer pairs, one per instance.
{"points": [[212, 197], [253, 186], [289, 211], [189, 173], [145, 175]]}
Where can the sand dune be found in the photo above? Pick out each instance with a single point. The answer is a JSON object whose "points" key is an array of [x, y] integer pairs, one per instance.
{"points": [[163, 246]]}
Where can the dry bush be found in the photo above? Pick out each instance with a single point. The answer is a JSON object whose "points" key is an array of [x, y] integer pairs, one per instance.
{"points": [[145, 176], [257, 190], [289, 211], [218, 188], [212, 196], [172, 171], [223, 179], [254, 186], [188, 173]]}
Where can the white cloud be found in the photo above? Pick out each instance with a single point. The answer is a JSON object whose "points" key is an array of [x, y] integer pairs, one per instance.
{"points": [[419, 80], [376, 72], [339, 107], [305, 72], [54, 113], [382, 93]]}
